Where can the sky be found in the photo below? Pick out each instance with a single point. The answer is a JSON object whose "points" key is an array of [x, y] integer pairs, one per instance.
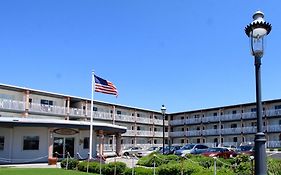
{"points": [[186, 55]]}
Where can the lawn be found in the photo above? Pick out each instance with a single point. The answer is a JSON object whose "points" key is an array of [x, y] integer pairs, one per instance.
{"points": [[39, 171]]}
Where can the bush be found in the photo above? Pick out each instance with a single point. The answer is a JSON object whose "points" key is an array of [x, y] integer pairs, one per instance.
{"points": [[109, 169], [94, 167], [71, 165], [274, 166], [139, 171], [159, 160]]}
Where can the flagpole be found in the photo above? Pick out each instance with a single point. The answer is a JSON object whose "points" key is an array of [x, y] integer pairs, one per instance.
{"points": [[91, 121]]}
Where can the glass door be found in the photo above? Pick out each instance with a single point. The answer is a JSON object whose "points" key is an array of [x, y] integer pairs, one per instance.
{"points": [[62, 146]]}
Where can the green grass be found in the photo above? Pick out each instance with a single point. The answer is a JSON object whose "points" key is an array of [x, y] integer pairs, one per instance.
{"points": [[40, 171]]}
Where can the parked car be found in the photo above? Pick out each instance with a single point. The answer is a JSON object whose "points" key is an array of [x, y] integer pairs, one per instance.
{"points": [[170, 149], [245, 149], [219, 152], [147, 152], [191, 149], [131, 150], [229, 147]]}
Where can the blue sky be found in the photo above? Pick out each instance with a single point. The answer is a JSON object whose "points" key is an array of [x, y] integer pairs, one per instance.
{"points": [[184, 54]]}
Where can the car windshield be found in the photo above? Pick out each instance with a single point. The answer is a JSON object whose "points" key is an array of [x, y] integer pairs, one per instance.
{"points": [[187, 147], [244, 148]]}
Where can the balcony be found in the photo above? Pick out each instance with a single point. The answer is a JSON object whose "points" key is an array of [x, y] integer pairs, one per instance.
{"points": [[126, 118], [40, 108], [231, 131], [177, 122], [129, 133], [193, 120], [274, 128], [273, 112], [144, 120], [210, 119], [211, 132], [193, 133], [160, 134], [250, 130], [177, 134], [273, 144], [230, 117], [12, 105], [145, 133], [76, 112]]}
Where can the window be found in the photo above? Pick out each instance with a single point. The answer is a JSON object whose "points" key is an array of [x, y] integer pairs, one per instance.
{"points": [[234, 112], [86, 143], [198, 128], [133, 128], [254, 123], [204, 140], [277, 107], [132, 141], [2, 141], [110, 141], [122, 141], [234, 139], [182, 140], [95, 108], [30, 102], [46, 102], [155, 141], [31, 143], [279, 122], [233, 125], [198, 140], [253, 109], [221, 140], [155, 129], [138, 115], [119, 112], [182, 118], [215, 114], [138, 128], [215, 127], [182, 129]]}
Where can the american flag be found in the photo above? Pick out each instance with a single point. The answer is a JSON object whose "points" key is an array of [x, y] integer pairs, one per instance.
{"points": [[104, 86]]}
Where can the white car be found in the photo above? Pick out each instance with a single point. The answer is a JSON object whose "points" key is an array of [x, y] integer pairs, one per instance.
{"points": [[131, 150], [147, 152]]}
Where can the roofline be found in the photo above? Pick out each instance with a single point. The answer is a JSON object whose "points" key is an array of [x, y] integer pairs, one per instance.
{"points": [[74, 97]]}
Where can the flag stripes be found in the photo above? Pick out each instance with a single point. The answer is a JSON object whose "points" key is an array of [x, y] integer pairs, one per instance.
{"points": [[104, 86]]}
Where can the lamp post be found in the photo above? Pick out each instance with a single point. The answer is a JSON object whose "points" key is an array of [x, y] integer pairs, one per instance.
{"points": [[163, 109], [256, 31]]}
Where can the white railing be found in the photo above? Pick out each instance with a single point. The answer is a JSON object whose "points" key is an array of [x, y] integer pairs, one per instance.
{"points": [[129, 133], [145, 133], [229, 117], [101, 115], [231, 131], [12, 104], [273, 144], [127, 118], [160, 134], [249, 115], [177, 122], [274, 128], [158, 121], [36, 107], [193, 120], [76, 112], [144, 120], [210, 119], [211, 132], [273, 112], [193, 133], [251, 129], [177, 134]]}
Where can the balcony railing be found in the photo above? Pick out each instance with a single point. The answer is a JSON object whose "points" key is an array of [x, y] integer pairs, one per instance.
{"points": [[229, 117], [273, 112], [231, 131], [102, 115], [273, 144], [193, 120], [177, 134], [36, 107], [129, 133], [160, 134], [274, 128], [12, 105], [126, 118], [210, 119], [251, 129], [193, 133], [211, 132], [176, 122]]}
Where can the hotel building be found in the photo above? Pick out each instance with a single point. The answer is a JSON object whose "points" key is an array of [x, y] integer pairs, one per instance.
{"points": [[36, 125]]}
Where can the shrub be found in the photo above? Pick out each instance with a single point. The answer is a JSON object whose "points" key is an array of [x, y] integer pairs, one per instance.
{"points": [[274, 166], [159, 159], [94, 167], [139, 171], [71, 164], [109, 169]]}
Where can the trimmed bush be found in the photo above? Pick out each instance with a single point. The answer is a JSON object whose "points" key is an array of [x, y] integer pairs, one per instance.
{"points": [[94, 167], [109, 169], [274, 166], [139, 171], [71, 165]]}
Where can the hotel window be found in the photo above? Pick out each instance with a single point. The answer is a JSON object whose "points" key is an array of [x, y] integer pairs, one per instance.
{"points": [[198, 140], [279, 122], [234, 112], [182, 129], [95, 108], [86, 143], [277, 107], [233, 125], [234, 139], [254, 123], [132, 141], [182, 140], [253, 109], [155, 141], [138, 115], [155, 129], [31, 143], [46, 102], [215, 127], [204, 140], [138, 128], [110, 141], [182, 118], [119, 112], [2, 141], [30, 102], [122, 141], [215, 114]]}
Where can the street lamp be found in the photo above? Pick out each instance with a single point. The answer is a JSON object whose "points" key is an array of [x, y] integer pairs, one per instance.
{"points": [[256, 31], [163, 109]]}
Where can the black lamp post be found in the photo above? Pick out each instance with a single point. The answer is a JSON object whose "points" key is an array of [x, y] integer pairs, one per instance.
{"points": [[163, 109], [256, 31]]}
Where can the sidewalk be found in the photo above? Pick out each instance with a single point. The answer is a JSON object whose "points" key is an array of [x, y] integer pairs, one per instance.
{"points": [[34, 165]]}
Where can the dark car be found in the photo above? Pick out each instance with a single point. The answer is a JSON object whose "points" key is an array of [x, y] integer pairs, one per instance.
{"points": [[191, 149], [170, 149], [245, 149], [219, 152]]}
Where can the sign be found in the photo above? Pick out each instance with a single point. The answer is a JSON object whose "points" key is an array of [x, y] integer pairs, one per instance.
{"points": [[65, 131]]}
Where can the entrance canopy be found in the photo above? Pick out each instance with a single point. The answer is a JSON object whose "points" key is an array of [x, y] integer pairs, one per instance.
{"points": [[109, 129]]}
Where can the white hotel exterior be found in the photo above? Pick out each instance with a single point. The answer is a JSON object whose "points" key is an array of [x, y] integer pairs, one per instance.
{"points": [[37, 125]]}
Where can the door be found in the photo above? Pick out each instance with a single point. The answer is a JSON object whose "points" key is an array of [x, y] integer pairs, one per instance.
{"points": [[62, 146]]}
